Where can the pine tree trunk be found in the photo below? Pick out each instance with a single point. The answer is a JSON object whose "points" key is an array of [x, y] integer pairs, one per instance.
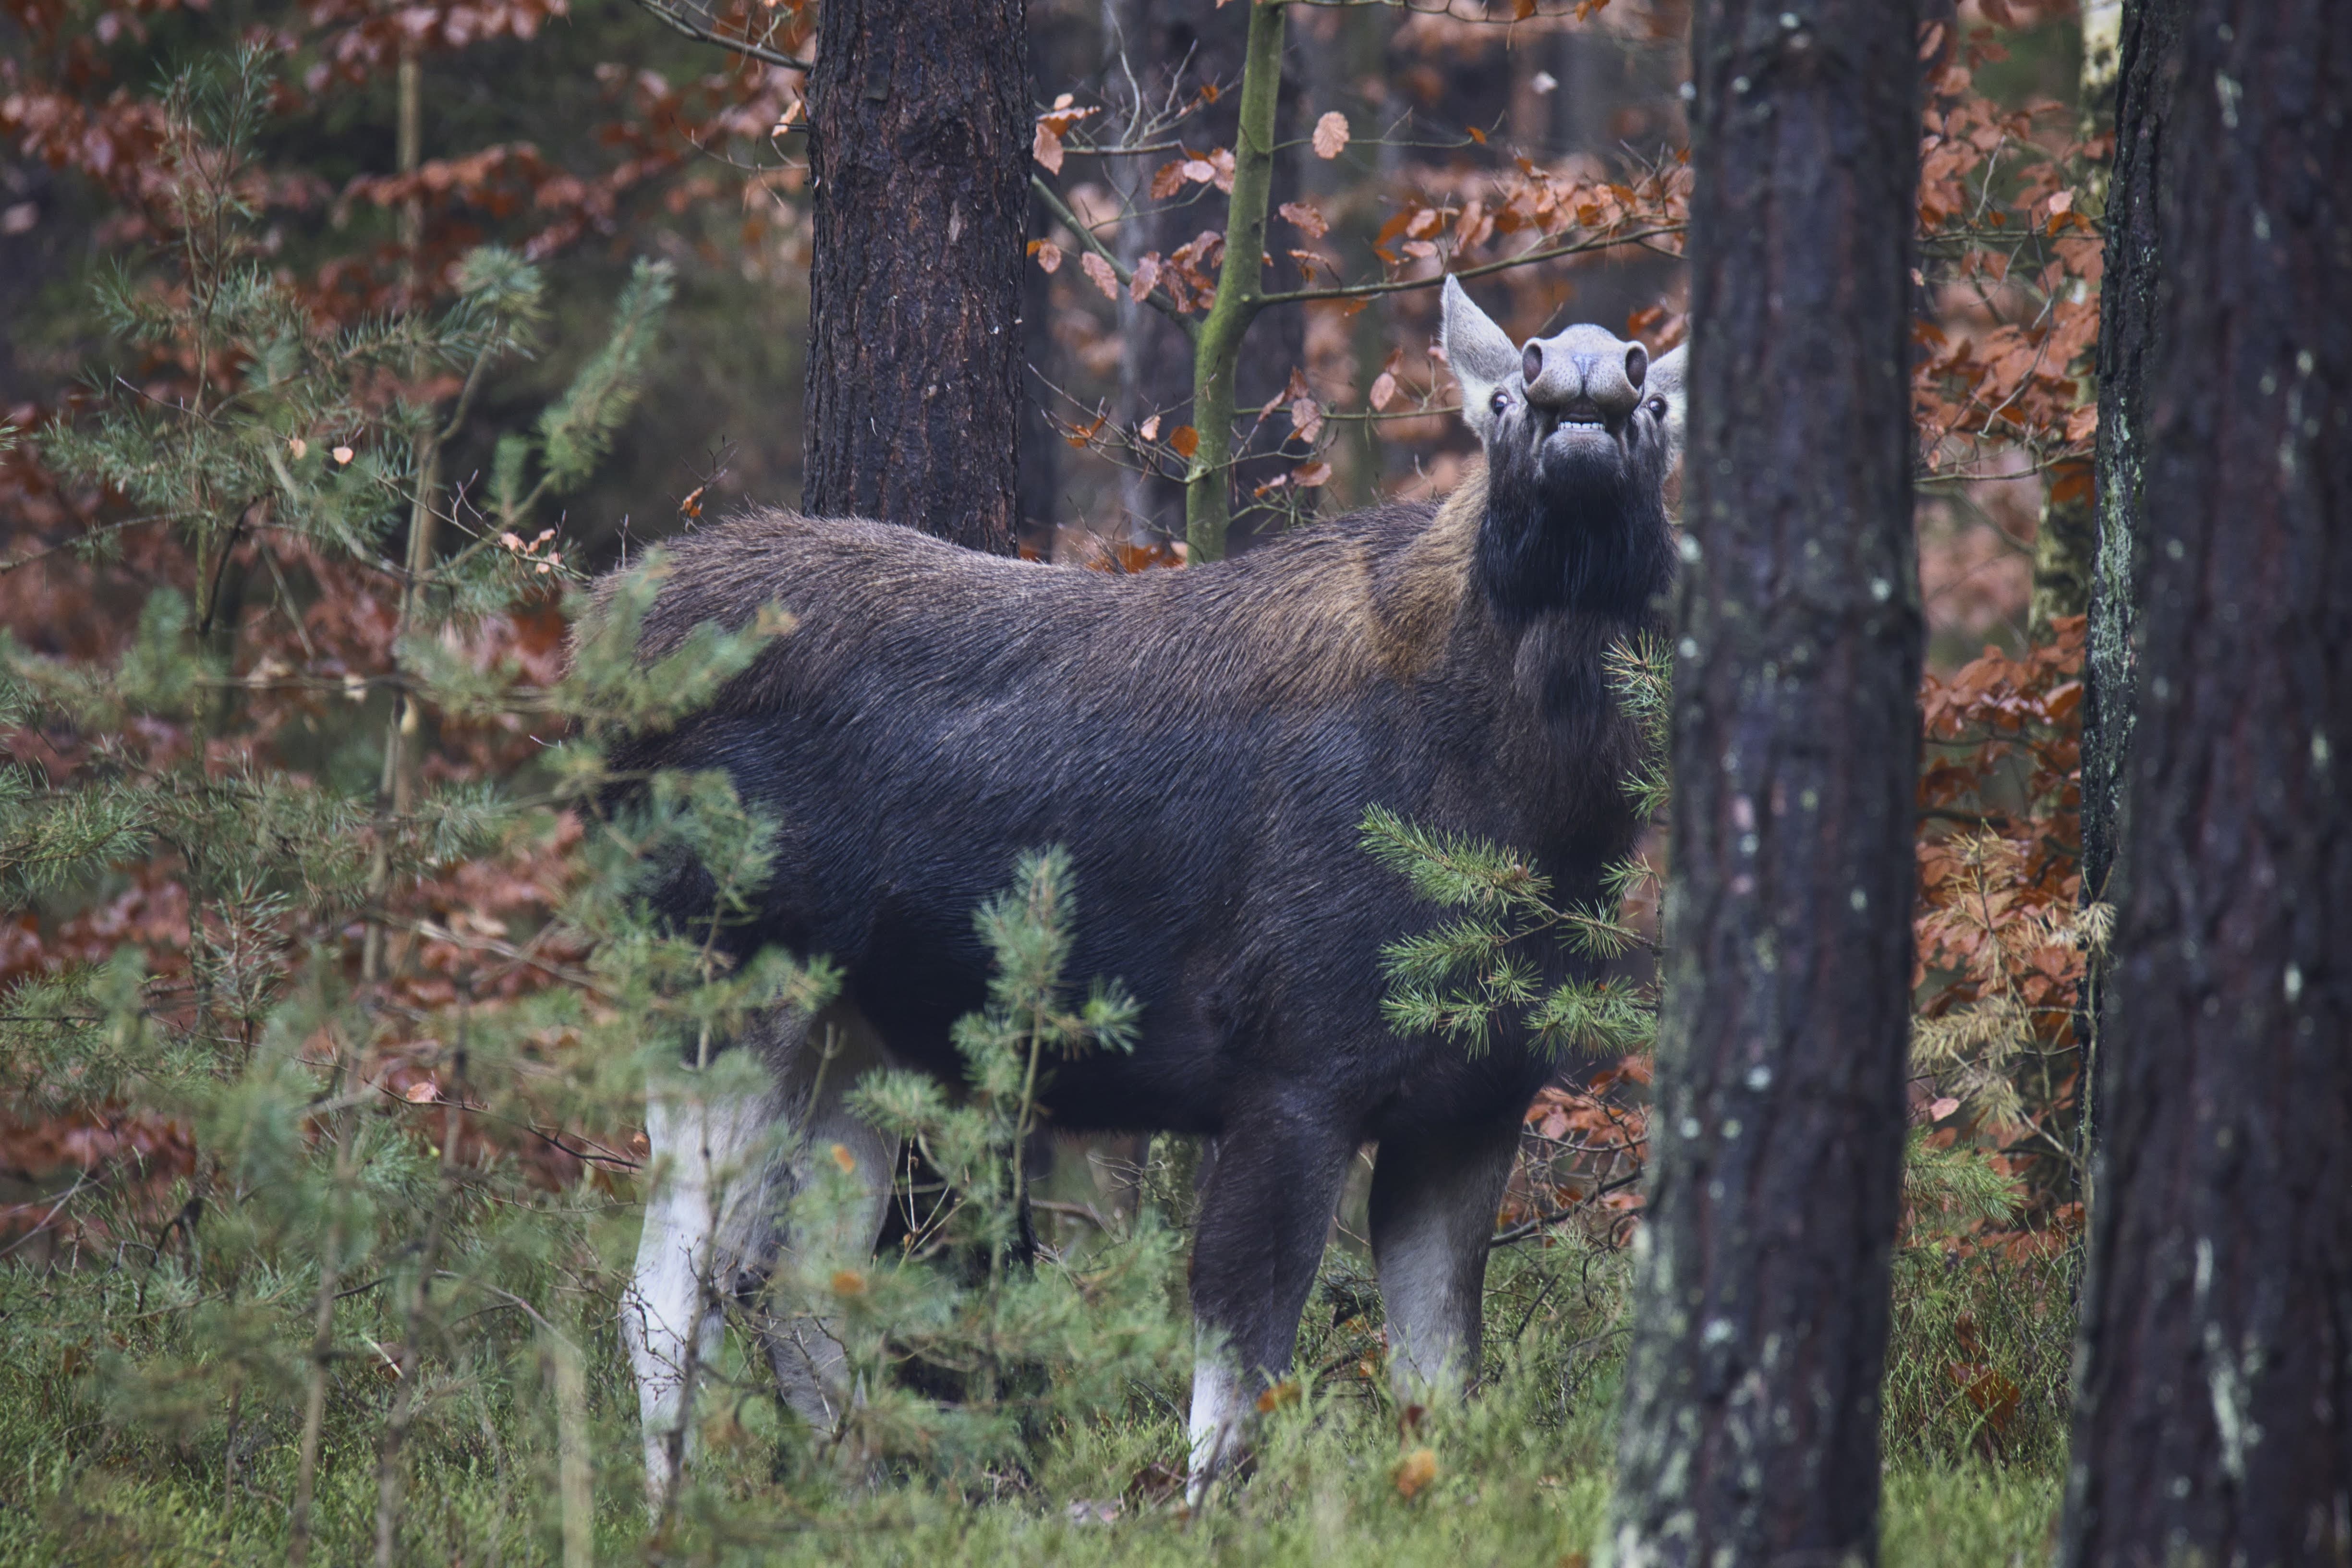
{"points": [[2213, 1421], [1750, 1431], [2148, 64], [2066, 544], [918, 144]]}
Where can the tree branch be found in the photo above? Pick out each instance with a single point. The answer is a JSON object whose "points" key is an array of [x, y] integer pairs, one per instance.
{"points": [[679, 20], [1525, 259], [1158, 299]]}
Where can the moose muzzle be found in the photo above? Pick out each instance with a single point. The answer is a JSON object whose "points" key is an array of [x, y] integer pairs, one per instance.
{"points": [[1585, 377]]}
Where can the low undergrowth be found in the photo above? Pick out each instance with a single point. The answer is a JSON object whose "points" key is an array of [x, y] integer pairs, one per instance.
{"points": [[1519, 1474]]}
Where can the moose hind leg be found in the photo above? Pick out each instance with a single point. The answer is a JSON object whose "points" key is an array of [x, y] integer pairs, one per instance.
{"points": [[1432, 1213], [1266, 1194], [712, 1166], [804, 1349]]}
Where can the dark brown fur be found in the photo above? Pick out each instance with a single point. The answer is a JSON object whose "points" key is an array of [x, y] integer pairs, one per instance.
{"points": [[1205, 743]]}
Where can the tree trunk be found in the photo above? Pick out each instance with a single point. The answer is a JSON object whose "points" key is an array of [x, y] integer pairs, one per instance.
{"points": [[1750, 1431], [2066, 544], [2148, 61], [2214, 1423], [2146, 49], [918, 144]]}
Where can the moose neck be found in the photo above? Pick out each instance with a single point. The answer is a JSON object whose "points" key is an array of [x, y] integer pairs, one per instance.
{"points": [[1585, 540]]}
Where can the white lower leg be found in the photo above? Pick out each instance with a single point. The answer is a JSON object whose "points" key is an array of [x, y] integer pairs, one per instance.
{"points": [[709, 1171], [1217, 1418], [670, 1331]]}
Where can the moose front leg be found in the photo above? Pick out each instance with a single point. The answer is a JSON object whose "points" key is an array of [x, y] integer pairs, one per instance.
{"points": [[1267, 1196], [1432, 1216]]}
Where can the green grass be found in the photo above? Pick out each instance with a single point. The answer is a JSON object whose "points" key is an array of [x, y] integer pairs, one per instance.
{"points": [[1522, 1472]]}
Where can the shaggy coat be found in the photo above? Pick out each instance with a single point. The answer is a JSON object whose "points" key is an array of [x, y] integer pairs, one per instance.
{"points": [[1205, 742]]}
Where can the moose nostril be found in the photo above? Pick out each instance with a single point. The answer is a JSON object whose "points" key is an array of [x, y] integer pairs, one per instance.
{"points": [[1532, 364], [1637, 364]]}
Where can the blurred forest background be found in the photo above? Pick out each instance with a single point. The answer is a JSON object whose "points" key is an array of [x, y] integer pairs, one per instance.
{"points": [[586, 136], [326, 998]]}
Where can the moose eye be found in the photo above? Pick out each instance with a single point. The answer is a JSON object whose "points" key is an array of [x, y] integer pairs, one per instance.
{"points": [[1500, 403], [1657, 408]]}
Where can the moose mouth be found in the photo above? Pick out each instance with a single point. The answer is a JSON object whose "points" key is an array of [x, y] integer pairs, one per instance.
{"points": [[1582, 450], [1583, 433]]}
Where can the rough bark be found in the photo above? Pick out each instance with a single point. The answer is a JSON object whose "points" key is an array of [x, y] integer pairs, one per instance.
{"points": [[2213, 1421], [918, 145], [2148, 63], [2066, 544], [1751, 1424]]}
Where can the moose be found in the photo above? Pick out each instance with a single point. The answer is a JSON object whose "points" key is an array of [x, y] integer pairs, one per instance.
{"points": [[1204, 743]]}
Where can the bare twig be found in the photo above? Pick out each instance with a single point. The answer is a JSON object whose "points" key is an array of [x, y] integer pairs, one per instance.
{"points": [[679, 19]]}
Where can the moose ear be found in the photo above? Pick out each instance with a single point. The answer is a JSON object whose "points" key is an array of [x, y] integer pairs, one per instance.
{"points": [[1666, 380], [1482, 355]]}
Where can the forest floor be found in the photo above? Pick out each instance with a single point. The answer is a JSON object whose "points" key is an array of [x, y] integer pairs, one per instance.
{"points": [[1519, 1475]]}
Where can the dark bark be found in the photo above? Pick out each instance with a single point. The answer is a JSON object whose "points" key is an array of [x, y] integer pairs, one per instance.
{"points": [[2213, 1421], [1751, 1432], [2148, 63], [920, 148]]}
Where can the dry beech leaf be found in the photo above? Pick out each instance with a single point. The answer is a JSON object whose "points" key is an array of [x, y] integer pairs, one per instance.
{"points": [[1332, 131], [1303, 216], [848, 1282], [1048, 149], [1415, 1470], [1049, 255], [1168, 179], [1310, 475], [1185, 440], [1146, 274], [1150, 428], [1383, 391], [1099, 271], [342, 454], [1277, 1395]]}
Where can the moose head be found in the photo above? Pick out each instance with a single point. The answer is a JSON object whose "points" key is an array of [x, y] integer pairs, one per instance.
{"points": [[1582, 430]]}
